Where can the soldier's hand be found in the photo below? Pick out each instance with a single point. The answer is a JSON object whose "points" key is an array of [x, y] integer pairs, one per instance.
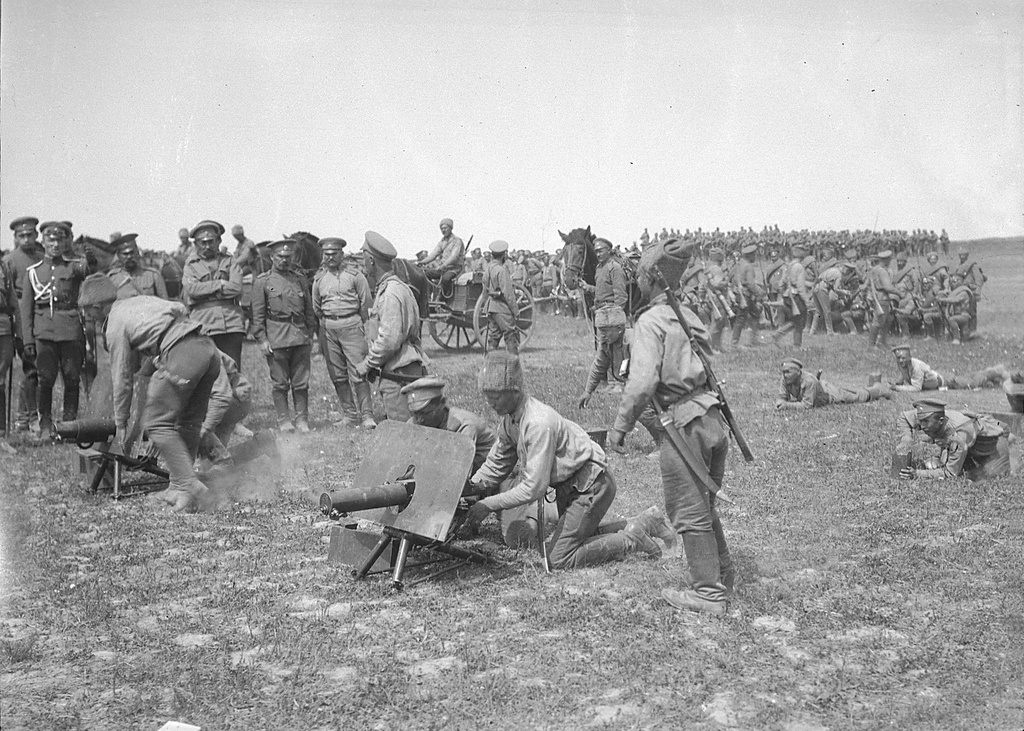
{"points": [[362, 368], [616, 441], [908, 473], [29, 351], [584, 400], [267, 349], [477, 512]]}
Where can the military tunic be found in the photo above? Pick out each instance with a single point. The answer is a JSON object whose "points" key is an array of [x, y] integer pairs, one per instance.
{"points": [[811, 393], [142, 280], [396, 346], [16, 263], [282, 315], [8, 322], [211, 289], [501, 307], [974, 445]]}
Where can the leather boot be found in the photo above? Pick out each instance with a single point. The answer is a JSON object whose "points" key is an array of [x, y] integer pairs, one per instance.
{"points": [[284, 422], [654, 524], [879, 391], [707, 593], [364, 405], [301, 410], [725, 563], [640, 540], [348, 406]]}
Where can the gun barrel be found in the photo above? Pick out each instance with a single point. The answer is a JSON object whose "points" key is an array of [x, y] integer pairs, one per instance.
{"points": [[341, 502], [84, 431]]}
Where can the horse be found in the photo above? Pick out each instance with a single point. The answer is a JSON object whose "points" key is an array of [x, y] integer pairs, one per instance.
{"points": [[307, 255], [96, 249], [581, 265]]}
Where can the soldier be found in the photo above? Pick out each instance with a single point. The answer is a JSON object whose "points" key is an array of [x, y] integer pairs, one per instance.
{"points": [[8, 335], [974, 445], [609, 291], [186, 366], [665, 366], [718, 296], [553, 452], [1013, 387], [185, 247], [972, 277], [341, 302], [212, 285], [551, 278], [908, 281], [801, 390], [475, 263], [26, 253], [500, 304], [751, 295], [283, 324], [128, 274], [932, 318], [883, 292], [916, 375], [395, 350], [50, 323], [796, 298], [826, 292], [449, 254], [936, 269], [429, 408], [959, 306], [774, 277], [246, 255]]}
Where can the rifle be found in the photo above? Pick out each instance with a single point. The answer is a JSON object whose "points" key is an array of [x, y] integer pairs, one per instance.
{"points": [[713, 382]]}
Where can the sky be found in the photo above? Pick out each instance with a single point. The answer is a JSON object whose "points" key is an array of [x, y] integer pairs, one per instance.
{"points": [[515, 119]]}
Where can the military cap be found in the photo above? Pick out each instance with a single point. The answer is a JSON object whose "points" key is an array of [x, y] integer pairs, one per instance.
{"points": [[798, 247], [123, 240], [29, 222], [671, 256], [379, 247], [63, 225], [899, 348], [502, 371], [422, 391], [282, 246], [332, 243], [887, 254], [930, 405], [97, 290], [447, 222], [237, 229], [602, 244], [203, 225], [794, 361], [499, 246], [749, 249]]}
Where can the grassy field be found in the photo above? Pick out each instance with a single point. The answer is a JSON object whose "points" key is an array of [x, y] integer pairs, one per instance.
{"points": [[862, 602]]}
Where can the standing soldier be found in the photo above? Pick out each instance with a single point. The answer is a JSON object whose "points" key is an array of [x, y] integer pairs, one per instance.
{"points": [[796, 298], [449, 255], [883, 292], [128, 274], [341, 303], [26, 253], [212, 284], [395, 350], [246, 255], [500, 306], [8, 335], [751, 295], [50, 323], [283, 324], [774, 277], [718, 297], [609, 290], [664, 365], [549, 284]]}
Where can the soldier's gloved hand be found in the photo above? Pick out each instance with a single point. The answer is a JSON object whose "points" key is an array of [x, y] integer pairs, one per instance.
{"points": [[477, 512], [29, 351], [616, 441], [908, 473], [584, 400], [267, 350]]}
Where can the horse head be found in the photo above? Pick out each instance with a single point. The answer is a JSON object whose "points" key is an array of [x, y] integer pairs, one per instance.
{"points": [[579, 257], [307, 255], [99, 248]]}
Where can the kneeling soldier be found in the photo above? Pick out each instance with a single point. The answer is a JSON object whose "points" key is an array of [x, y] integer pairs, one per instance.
{"points": [[974, 445], [801, 390], [283, 323], [556, 453]]}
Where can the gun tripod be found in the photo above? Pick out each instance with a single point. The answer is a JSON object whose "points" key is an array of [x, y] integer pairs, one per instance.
{"points": [[402, 543]]}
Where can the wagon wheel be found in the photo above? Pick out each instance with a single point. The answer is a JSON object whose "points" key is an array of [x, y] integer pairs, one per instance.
{"points": [[451, 330], [524, 322]]}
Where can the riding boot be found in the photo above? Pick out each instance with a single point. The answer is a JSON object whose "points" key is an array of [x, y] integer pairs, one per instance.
{"points": [[726, 565], [798, 336], [284, 422], [814, 323], [737, 331], [364, 404], [301, 410], [707, 592], [348, 406]]}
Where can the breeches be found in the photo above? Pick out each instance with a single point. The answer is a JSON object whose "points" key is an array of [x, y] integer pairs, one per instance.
{"points": [[29, 387], [289, 368], [501, 325], [689, 504], [396, 403], [575, 541], [343, 348], [231, 345], [6, 360], [62, 357]]}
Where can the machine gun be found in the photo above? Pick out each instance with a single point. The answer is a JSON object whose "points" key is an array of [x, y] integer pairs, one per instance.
{"points": [[99, 456], [412, 480]]}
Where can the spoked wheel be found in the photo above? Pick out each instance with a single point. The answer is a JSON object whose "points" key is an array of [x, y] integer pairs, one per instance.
{"points": [[524, 322], [451, 330]]}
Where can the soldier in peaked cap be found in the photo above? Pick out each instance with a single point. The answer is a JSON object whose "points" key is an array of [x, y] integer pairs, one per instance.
{"points": [[341, 302], [395, 349], [664, 365], [750, 292], [500, 306], [973, 445], [429, 407], [26, 253], [883, 296], [610, 300], [801, 390], [128, 274], [283, 324], [555, 453], [50, 322], [211, 288], [247, 256]]}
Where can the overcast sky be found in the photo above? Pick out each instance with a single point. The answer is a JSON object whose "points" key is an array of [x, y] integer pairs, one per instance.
{"points": [[515, 119]]}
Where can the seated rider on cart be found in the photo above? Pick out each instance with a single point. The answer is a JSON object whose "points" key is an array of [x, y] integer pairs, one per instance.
{"points": [[444, 263]]}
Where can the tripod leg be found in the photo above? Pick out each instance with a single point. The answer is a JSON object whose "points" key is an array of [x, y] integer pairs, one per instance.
{"points": [[374, 555], [97, 478], [117, 480], [403, 556]]}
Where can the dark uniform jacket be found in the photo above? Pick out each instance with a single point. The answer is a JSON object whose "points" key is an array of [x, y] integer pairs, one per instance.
{"points": [[49, 300], [282, 310], [211, 289]]}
